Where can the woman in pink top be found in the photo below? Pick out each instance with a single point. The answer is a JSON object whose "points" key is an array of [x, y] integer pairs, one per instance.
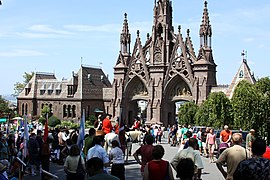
{"points": [[210, 143]]}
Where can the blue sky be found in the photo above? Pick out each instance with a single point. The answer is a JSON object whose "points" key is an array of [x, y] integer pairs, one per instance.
{"points": [[53, 35]]}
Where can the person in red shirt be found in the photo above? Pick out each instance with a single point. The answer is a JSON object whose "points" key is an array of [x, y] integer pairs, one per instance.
{"points": [[158, 168], [145, 151], [107, 125], [225, 135], [136, 125], [267, 153]]}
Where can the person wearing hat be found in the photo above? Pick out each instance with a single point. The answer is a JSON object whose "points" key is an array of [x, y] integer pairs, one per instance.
{"points": [[249, 140], [107, 125]]}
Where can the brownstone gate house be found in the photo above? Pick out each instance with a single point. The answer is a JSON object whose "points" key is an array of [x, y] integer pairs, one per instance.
{"points": [[149, 81], [163, 70]]}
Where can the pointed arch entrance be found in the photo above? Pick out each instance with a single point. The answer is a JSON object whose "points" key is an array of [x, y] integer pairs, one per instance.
{"points": [[135, 102], [176, 93]]}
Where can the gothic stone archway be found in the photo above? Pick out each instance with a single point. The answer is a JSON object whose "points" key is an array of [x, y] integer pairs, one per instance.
{"points": [[176, 90], [135, 91]]}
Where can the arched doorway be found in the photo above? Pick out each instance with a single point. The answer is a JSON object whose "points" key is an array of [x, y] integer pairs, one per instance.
{"points": [[177, 92], [136, 100]]}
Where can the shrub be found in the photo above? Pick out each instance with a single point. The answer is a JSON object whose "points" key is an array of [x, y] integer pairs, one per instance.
{"points": [[53, 121]]}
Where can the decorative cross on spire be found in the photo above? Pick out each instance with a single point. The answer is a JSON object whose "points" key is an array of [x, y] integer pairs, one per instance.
{"points": [[243, 54], [205, 3]]}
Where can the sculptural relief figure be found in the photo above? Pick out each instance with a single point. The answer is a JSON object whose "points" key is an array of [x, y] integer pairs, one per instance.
{"points": [[140, 90]]}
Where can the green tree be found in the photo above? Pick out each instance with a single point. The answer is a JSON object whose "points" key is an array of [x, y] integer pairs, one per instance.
{"points": [[18, 86], [215, 112], [3, 107], [187, 112], [246, 106], [53, 121], [45, 110], [262, 87]]}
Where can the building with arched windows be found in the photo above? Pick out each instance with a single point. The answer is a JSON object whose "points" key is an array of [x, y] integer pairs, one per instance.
{"points": [[65, 98], [150, 80]]}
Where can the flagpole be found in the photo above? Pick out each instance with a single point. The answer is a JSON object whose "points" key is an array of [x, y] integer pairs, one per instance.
{"points": [[80, 141]]}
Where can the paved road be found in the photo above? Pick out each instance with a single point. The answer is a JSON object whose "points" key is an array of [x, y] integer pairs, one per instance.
{"points": [[210, 171]]}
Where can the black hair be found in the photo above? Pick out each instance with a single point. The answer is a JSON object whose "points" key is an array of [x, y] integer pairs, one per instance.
{"points": [[258, 146], [98, 140], [95, 163], [158, 152], [39, 131], [188, 134], [149, 139], [115, 143], [92, 131], [192, 142], [185, 169]]}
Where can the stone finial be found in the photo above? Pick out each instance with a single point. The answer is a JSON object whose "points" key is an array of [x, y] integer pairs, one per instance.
{"points": [[147, 35], [179, 28], [188, 31], [205, 4], [138, 33], [125, 15]]}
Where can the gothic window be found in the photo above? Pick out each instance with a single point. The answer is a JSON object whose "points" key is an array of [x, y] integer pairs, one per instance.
{"points": [[69, 111], [73, 111], [26, 108], [241, 74], [42, 106], [27, 91], [159, 30], [64, 110], [50, 108], [23, 109]]}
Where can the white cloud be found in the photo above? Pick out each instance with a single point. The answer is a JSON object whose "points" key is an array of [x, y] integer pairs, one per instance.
{"points": [[47, 29], [94, 28], [39, 35], [21, 53], [248, 40]]}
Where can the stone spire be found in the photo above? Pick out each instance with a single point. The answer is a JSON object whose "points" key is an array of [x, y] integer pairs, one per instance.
{"points": [[125, 38], [243, 73], [205, 29]]}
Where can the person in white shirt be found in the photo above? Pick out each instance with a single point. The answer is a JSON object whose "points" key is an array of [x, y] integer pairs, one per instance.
{"points": [[191, 153], [116, 156], [99, 151]]}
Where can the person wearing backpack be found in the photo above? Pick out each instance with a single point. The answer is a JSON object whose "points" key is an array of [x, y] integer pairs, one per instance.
{"points": [[74, 165]]}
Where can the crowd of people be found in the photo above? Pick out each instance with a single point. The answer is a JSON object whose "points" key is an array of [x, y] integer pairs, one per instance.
{"points": [[92, 160]]}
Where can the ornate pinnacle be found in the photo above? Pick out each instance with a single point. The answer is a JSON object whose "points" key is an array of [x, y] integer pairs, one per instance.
{"points": [[138, 33]]}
